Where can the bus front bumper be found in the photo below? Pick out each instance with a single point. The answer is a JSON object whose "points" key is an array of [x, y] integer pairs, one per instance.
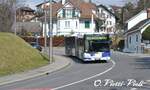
{"points": [[95, 57]]}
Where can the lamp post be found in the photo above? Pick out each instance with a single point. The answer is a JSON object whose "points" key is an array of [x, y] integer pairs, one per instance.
{"points": [[15, 18], [50, 33], [45, 21]]}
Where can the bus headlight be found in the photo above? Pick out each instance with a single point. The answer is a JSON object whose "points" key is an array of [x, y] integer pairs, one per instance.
{"points": [[87, 56]]}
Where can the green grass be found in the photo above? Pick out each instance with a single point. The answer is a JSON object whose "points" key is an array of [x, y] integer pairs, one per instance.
{"points": [[18, 56]]}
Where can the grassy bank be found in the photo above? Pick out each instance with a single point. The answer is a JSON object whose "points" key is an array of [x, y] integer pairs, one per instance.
{"points": [[18, 56]]}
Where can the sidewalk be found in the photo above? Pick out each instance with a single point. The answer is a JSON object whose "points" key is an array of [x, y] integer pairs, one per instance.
{"points": [[138, 54], [133, 54], [60, 63]]}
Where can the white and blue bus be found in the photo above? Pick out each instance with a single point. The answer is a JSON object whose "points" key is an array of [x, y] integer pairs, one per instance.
{"points": [[89, 47]]}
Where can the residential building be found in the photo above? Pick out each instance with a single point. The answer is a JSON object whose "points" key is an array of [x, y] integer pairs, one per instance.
{"points": [[24, 14], [135, 26], [27, 23], [71, 17], [109, 19], [117, 9]]}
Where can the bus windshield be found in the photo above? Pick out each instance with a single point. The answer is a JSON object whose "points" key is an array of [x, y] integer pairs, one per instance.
{"points": [[97, 46]]}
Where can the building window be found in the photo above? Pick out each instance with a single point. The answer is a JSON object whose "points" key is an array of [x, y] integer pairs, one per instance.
{"points": [[67, 24], [130, 40], [136, 38], [48, 23], [87, 24], [59, 24], [73, 13], [103, 15], [107, 16], [64, 13], [107, 22], [107, 30], [110, 23], [110, 30], [126, 26], [68, 13], [127, 43], [102, 11], [76, 24]]}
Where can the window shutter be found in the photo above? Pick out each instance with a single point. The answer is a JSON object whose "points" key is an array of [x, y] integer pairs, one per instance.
{"points": [[63, 13], [87, 24], [73, 13]]}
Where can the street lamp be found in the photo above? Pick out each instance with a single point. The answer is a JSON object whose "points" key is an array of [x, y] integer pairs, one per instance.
{"points": [[15, 18], [50, 33], [45, 21]]}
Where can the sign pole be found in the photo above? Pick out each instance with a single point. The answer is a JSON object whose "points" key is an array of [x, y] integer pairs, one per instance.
{"points": [[50, 33]]}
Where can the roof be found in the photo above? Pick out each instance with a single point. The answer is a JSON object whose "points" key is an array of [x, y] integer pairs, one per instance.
{"points": [[55, 8], [139, 25], [75, 2], [116, 7], [135, 16], [85, 8], [104, 7], [26, 9], [44, 3]]}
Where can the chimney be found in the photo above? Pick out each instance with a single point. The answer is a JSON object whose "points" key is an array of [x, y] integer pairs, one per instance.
{"points": [[148, 12], [87, 1], [63, 2]]}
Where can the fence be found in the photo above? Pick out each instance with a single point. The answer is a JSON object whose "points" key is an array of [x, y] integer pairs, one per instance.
{"points": [[57, 41]]}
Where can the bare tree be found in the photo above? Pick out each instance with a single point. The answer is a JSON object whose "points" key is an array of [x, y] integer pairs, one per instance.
{"points": [[7, 14], [6, 17]]}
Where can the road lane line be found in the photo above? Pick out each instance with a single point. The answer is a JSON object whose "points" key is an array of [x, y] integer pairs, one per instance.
{"points": [[133, 88], [99, 74]]}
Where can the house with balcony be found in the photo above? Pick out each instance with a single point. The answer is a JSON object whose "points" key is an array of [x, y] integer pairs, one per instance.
{"points": [[24, 14], [108, 18], [134, 29], [26, 22], [70, 17]]}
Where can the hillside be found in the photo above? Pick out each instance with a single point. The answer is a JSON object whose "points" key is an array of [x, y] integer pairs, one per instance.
{"points": [[18, 56]]}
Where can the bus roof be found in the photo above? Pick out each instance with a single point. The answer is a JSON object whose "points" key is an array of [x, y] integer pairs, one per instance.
{"points": [[80, 35]]}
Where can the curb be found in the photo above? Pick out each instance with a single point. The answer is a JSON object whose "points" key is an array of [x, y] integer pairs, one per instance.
{"points": [[134, 54], [147, 82], [37, 75]]}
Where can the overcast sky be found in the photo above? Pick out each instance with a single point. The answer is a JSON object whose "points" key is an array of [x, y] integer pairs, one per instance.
{"points": [[33, 3]]}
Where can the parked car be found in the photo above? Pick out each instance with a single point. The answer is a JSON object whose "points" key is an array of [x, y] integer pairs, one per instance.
{"points": [[36, 46]]}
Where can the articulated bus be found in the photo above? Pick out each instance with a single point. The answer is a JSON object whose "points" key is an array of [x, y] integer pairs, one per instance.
{"points": [[89, 47]]}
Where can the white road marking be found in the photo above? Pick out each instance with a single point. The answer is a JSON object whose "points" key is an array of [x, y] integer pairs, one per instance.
{"points": [[133, 88], [99, 74], [147, 82]]}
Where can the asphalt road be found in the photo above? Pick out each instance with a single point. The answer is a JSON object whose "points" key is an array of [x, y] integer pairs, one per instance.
{"points": [[123, 73]]}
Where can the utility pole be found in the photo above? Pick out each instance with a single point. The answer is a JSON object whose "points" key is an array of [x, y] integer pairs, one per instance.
{"points": [[45, 22], [15, 18], [122, 17], [50, 33], [145, 4]]}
